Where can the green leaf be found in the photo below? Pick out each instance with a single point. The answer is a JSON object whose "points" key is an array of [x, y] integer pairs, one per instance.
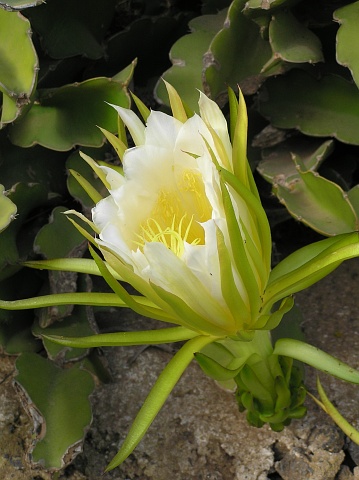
{"points": [[186, 56], [277, 162], [328, 107], [318, 203], [75, 324], [67, 116], [239, 38], [61, 397], [15, 326], [29, 166], [70, 28], [8, 209], [26, 198], [58, 238], [13, 5], [347, 36], [18, 65], [292, 41], [258, 7], [353, 197], [316, 358]]}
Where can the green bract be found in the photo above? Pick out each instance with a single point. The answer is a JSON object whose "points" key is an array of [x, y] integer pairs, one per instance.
{"points": [[184, 225]]}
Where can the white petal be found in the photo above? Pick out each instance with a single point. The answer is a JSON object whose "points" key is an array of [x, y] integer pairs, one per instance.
{"points": [[162, 130], [171, 273], [114, 178], [190, 137], [104, 212], [133, 123]]}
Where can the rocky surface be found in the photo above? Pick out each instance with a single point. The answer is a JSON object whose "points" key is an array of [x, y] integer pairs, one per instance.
{"points": [[199, 434]]}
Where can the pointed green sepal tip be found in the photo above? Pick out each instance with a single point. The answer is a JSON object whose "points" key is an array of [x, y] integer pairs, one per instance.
{"points": [[178, 109], [329, 408], [215, 370]]}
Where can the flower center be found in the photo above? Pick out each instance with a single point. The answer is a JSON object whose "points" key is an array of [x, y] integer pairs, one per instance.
{"points": [[176, 214], [173, 237]]}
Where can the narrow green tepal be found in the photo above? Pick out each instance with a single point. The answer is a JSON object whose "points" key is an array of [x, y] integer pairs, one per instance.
{"points": [[18, 65], [61, 397], [67, 116]]}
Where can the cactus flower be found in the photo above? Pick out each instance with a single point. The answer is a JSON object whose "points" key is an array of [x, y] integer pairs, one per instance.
{"points": [[184, 225], [175, 229]]}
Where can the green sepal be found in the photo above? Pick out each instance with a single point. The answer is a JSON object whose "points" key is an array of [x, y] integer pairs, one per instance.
{"points": [[177, 107], [329, 408], [283, 394], [116, 142], [254, 385], [308, 265], [272, 320], [240, 163], [144, 111], [258, 214], [240, 254], [76, 298], [229, 289], [86, 185], [80, 229], [95, 167], [233, 112], [147, 337], [189, 318], [158, 395], [121, 292], [217, 371], [78, 265], [316, 358]]}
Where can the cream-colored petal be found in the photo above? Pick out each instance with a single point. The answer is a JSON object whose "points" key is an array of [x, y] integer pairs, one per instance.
{"points": [[172, 274], [133, 123], [162, 130], [114, 178]]}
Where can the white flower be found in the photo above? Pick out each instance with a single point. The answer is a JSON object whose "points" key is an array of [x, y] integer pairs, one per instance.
{"points": [[164, 227]]}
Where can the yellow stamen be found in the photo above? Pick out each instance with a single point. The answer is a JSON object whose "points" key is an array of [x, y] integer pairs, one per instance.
{"points": [[172, 237], [177, 214]]}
